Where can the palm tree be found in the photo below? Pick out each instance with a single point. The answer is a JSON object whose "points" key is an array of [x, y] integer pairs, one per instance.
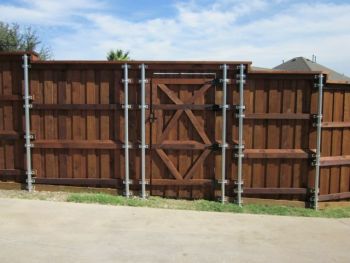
{"points": [[118, 54]]}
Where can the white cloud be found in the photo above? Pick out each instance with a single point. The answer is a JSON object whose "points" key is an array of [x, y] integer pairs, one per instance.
{"points": [[48, 12], [259, 30]]}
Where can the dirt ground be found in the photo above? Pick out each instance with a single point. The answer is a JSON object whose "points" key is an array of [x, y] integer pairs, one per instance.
{"points": [[46, 231], [42, 195]]}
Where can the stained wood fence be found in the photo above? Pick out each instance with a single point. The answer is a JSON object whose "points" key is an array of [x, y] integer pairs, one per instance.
{"points": [[77, 120]]}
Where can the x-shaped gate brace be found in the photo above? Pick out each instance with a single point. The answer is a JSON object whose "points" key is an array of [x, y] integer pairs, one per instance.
{"points": [[189, 174]]}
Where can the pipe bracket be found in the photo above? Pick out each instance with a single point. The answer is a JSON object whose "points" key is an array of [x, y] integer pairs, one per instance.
{"points": [[222, 181], [143, 80], [241, 155], [128, 181], [225, 145], [30, 137], [128, 106], [239, 67], [238, 81], [143, 106], [225, 80], [30, 97], [145, 182], [143, 146], [127, 81], [32, 172]]}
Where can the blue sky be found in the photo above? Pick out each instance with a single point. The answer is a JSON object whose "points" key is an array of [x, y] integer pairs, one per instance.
{"points": [[262, 31]]}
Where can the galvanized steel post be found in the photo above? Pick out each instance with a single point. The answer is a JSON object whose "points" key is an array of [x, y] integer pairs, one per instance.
{"points": [[143, 132], [126, 129], [240, 146], [318, 138], [223, 132], [28, 136]]}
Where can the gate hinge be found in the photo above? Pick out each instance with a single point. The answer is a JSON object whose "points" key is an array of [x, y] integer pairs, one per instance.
{"points": [[152, 117]]}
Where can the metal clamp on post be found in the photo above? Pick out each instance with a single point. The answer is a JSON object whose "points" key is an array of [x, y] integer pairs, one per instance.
{"points": [[127, 81], [311, 197], [128, 106], [239, 150], [127, 146], [143, 81], [240, 78], [239, 155], [222, 182], [226, 106], [237, 201], [128, 181], [240, 111], [30, 180], [29, 106], [315, 159], [237, 146], [143, 183], [225, 145], [238, 189], [30, 97], [317, 120], [127, 193], [227, 81], [30, 136], [320, 81], [32, 172], [146, 182], [143, 107]]}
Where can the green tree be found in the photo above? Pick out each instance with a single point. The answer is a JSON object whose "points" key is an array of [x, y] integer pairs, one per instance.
{"points": [[15, 38], [118, 54]]}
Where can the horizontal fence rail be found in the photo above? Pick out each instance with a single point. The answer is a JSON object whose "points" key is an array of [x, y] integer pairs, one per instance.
{"points": [[214, 130]]}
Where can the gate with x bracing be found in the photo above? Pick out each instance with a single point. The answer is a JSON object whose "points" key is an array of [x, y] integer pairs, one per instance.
{"points": [[186, 133]]}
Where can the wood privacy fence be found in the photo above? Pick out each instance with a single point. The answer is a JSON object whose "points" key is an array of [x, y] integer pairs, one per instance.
{"points": [[77, 123]]}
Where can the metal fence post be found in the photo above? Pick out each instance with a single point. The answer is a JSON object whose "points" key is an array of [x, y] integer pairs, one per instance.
{"points": [[318, 138], [27, 136], [126, 81], [240, 146], [143, 132], [223, 132]]}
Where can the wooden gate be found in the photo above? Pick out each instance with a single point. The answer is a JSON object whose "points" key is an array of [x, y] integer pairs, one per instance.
{"points": [[182, 135]]}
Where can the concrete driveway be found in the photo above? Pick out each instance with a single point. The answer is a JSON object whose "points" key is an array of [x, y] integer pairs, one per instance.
{"points": [[44, 231]]}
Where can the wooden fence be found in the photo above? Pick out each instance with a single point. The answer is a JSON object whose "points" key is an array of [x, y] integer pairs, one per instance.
{"points": [[78, 126]]}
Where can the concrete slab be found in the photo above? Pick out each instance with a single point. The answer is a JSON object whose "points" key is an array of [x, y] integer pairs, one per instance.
{"points": [[42, 231]]}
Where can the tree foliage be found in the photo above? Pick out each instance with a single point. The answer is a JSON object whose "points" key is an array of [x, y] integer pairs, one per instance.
{"points": [[117, 55], [15, 38]]}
